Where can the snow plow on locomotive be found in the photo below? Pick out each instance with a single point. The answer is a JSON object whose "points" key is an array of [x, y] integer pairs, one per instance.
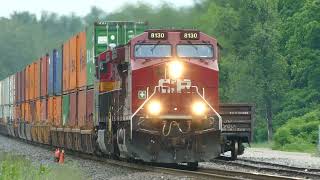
{"points": [[150, 95]]}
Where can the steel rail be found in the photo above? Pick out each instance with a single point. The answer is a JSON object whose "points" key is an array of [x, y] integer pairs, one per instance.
{"points": [[273, 168]]}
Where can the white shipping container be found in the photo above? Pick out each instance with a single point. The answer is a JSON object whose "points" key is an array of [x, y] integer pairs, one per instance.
{"points": [[5, 91], [1, 112], [12, 89], [11, 113], [6, 113], [0, 93]]}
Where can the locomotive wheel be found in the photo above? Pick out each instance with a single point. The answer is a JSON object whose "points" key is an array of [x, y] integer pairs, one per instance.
{"points": [[193, 165], [235, 150]]}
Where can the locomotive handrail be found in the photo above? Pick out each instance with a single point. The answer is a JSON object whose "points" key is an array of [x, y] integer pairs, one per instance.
{"points": [[140, 107], [219, 117]]}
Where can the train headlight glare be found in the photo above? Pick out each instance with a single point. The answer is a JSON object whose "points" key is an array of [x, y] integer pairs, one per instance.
{"points": [[198, 108], [154, 108], [175, 69]]}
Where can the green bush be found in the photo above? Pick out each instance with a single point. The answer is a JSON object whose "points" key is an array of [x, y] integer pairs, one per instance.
{"points": [[299, 133]]}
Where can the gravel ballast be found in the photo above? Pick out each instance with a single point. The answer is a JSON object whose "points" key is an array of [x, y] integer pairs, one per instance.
{"points": [[296, 159], [89, 168]]}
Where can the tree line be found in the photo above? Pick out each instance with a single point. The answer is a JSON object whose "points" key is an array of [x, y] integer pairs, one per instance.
{"points": [[270, 54]]}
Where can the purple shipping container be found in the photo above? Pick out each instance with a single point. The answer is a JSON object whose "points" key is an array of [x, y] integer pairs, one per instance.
{"points": [[50, 74], [57, 72]]}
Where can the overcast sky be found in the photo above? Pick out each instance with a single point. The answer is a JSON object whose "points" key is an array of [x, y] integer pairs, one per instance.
{"points": [[79, 7]]}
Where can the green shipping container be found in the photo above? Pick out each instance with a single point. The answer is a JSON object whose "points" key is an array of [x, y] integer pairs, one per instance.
{"points": [[108, 34], [65, 109]]}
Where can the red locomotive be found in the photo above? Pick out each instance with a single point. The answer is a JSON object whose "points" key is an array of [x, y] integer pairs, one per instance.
{"points": [[161, 91]]}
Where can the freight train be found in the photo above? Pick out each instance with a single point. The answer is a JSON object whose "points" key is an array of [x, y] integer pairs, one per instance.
{"points": [[122, 90]]}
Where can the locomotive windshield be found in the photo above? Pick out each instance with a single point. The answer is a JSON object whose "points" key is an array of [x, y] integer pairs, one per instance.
{"points": [[152, 50], [195, 50]]}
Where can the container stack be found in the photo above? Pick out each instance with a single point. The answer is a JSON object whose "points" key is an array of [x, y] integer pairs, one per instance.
{"points": [[57, 91]]}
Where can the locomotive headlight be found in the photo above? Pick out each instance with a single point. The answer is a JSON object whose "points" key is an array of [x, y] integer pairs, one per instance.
{"points": [[198, 108], [154, 108], [175, 69]]}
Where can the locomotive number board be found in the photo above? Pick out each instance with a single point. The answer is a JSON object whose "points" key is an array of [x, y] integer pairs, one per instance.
{"points": [[190, 35], [157, 35]]}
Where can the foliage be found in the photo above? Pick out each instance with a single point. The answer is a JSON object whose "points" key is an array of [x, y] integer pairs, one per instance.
{"points": [[299, 133]]}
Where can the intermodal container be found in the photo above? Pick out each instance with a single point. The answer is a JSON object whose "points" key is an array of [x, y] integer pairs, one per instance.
{"points": [[6, 113], [65, 66], [43, 115], [33, 111], [26, 112], [90, 109], [57, 71], [65, 110], [23, 85], [37, 83], [90, 56], [50, 74], [50, 110], [73, 110], [17, 90], [73, 63], [38, 111], [27, 83], [0, 95], [81, 105], [31, 81], [81, 60], [12, 89], [17, 112], [44, 76], [57, 110], [5, 91], [22, 112]]}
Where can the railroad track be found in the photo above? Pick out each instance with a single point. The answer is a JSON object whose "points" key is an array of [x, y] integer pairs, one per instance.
{"points": [[200, 173], [266, 167], [180, 170], [311, 170]]}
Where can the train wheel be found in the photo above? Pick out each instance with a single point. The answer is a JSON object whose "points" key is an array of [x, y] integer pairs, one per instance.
{"points": [[235, 150], [193, 165]]}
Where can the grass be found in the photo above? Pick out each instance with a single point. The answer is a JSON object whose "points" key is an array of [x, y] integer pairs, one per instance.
{"points": [[296, 147], [16, 167], [262, 145]]}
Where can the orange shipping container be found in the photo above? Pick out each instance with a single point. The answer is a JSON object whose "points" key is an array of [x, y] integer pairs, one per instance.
{"points": [[38, 111], [31, 77], [50, 110], [57, 110], [32, 110], [27, 84], [22, 112], [81, 105], [26, 112], [73, 63], [65, 64], [81, 60], [43, 115], [37, 66]]}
